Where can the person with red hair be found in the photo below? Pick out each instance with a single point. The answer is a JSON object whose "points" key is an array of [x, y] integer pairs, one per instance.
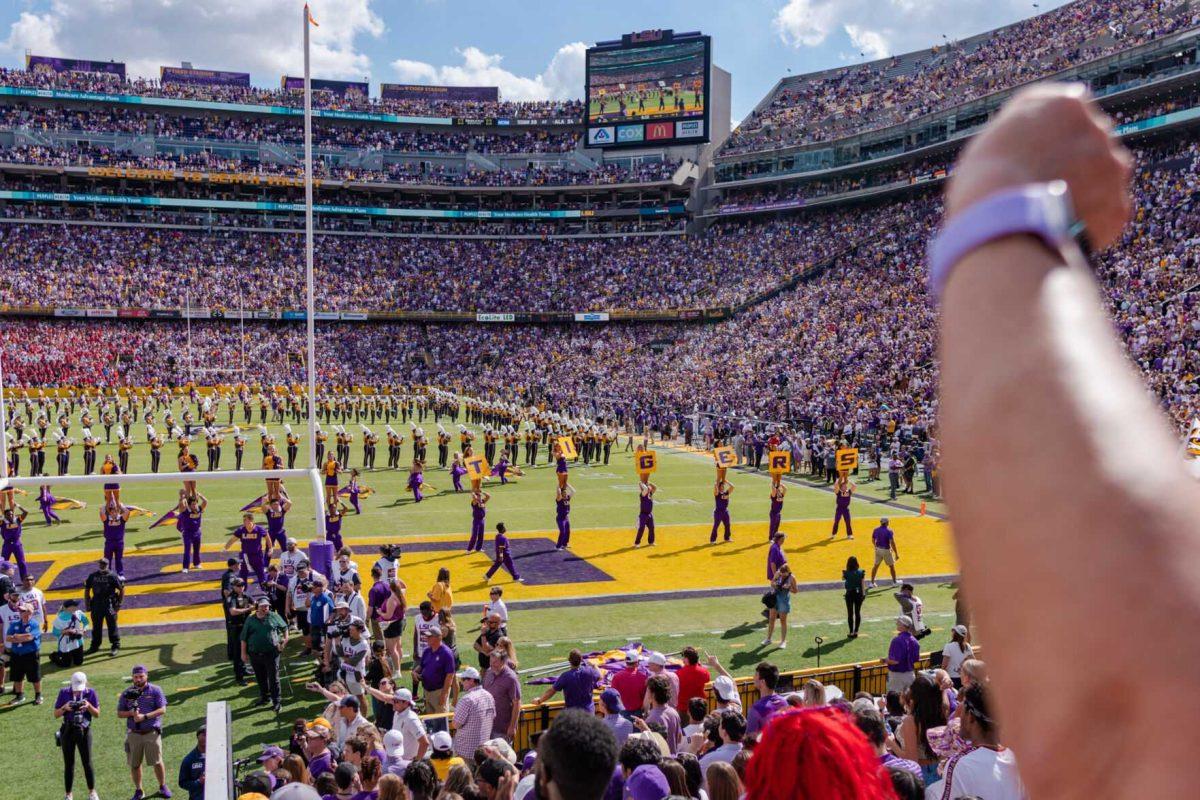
{"points": [[815, 753]]}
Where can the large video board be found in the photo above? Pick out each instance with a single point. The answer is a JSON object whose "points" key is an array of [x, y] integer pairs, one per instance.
{"points": [[649, 89]]}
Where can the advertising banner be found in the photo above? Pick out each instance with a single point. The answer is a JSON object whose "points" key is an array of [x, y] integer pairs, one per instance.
{"points": [[202, 77], [53, 64], [451, 94], [340, 88]]}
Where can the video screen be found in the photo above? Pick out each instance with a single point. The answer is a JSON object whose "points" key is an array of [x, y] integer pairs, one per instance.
{"points": [[648, 83]]}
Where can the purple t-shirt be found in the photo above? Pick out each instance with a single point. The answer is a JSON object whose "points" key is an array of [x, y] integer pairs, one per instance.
{"points": [[504, 687], [378, 595], [65, 696], [577, 686], [435, 666], [151, 698], [669, 718], [905, 651], [893, 762], [775, 559], [763, 710], [321, 764], [882, 537]]}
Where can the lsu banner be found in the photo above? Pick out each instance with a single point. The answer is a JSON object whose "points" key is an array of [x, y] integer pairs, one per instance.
{"points": [[847, 459], [451, 94], [567, 445], [645, 462], [51, 64], [725, 457], [340, 88], [477, 468], [202, 77], [779, 462], [170, 518]]}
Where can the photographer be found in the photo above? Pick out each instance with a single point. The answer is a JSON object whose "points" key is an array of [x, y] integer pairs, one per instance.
{"points": [[69, 626], [142, 706], [103, 592], [77, 706], [263, 638], [298, 596]]}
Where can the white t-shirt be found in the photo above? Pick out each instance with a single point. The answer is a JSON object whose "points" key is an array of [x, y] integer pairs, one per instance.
{"points": [[337, 574], [983, 772], [35, 598], [422, 627], [288, 562], [300, 599], [411, 728], [7, 615], [953, 657], [387, 566], [497, 607]]}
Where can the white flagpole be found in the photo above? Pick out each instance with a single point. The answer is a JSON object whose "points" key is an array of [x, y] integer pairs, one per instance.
{"points": [[313, 466]]}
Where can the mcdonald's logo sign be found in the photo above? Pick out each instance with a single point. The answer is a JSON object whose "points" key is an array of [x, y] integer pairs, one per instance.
{"points": [[779, 462], [660, 130]]}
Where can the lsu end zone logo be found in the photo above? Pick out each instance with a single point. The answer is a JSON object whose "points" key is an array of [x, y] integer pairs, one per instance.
{"points": [[602, 136]]}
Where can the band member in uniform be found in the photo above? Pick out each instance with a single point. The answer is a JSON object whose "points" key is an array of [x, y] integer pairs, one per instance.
{"points": [[503, 556], [646, 491], [190, 513], [562, 515], [212, 441], [46, 502], [333, 524], [293, 446], [112, 491], [479, 501], [393, 442], [721, 491], [322, 436], [370, 441], [330, 469], [37, 455], [252, 537], [114, 517], [11, 526], [775, 515], [843, 490], [64, 453], [156, 442], [124, 445], [443, 444], [416, 479]]}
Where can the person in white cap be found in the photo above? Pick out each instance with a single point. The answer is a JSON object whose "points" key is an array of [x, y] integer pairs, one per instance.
{"points": [[956, 651], [408, 730], [724, 687], [656, 664], [473, 715], [77, 705]]}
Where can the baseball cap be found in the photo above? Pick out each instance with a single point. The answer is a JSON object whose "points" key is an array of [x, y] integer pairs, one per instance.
{"points": [[78, 681], [724, 688], [295, 791], [904, 620], [470, 673], [5, 566], [657, 659], [341, 604], [138, 669], [433, 630], [441, 741], [262, 601], [393, 744], [349, 701], [647, 782], [612, 700], [529, 760], [631, 657], [961, 630], [272, 752], [319, 722], [402, 696]]}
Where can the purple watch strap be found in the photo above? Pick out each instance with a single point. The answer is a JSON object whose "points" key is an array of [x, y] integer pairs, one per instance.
{"points": [[1038, 209]]}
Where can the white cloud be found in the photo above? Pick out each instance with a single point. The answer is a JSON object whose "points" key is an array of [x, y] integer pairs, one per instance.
{"points": [[260, 36], [561, 79], [881, 28]]}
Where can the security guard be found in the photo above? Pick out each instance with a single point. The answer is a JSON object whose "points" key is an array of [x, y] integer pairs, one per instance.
{"points": [[237, 608], [263, 638], [103, 592]]}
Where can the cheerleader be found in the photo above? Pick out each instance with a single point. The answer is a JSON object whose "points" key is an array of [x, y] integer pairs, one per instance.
{"points": [[843, 490], [503, 556], [112, 491], [721, 491], [190, 513], [354, 491], [560, 465], [502, 469], [273, 462], [11, 528], [416, 479], [562, 515], [479, 499], [186, 462], [646, 491], [330, 468], [457, 470], [333, 524], [46, 503], [276, 512], [775, 515]]}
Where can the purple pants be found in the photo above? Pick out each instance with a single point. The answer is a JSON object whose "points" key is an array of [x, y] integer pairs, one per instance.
{"points": [[191, 550], [720, 518], [503, 479], [16, 551], [456, 479], [336, 538], [279, 539], [114, 553], [417, 496], [645, 525], [564, 531], [838, 516], [476, 542], [50, 515], [773, 527], [254, 563], [354, 502], [505, 561]]}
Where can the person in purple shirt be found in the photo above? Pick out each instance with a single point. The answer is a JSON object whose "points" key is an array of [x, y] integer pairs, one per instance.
{"points": [[844, 491], [775, 514], [77, 705], [721, 491], [333, 524], [503, 556], [114, 517], [457, 470], [577, 685], [416, 479], [316, 746], [501, 470], [10, 530], [870, 721], [190, 515], [46, 502], [775, 556], [435, 669], [658, 689], [142, 706], [885, 550], [646, 491], [766, 676], [252, 537], [903, 654], [479, 499], [276, 512], [562, 515]]}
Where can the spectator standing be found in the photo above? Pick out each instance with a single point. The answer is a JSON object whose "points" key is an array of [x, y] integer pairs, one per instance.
{"points": [[985, 768], [956, 651], [474, 714], [77, 705], [263, 637], [731, 727], [656, 664], [23, 640], [925, 711], [489, 635], [784, 586], [692, 679], [766, 677], [442, 756], [576, 758], [191, 769], [884, 540], [502, 683], [34, 597], [348, 720], [577, 684], [870, 721], [142, 706], [631, 684], [103, 592], [414, 740], [435, 669], [658, 690], [903, 653], [853, 580]]}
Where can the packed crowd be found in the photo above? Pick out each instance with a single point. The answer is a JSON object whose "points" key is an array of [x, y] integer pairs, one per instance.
{"points": [[833, 104], [97, 82]]}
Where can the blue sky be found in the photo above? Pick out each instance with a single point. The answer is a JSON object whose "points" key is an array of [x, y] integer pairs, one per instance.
{"points": [[532, 49]]}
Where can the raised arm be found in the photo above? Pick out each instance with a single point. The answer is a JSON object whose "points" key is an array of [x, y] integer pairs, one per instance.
{"points": [[1033, 379]]}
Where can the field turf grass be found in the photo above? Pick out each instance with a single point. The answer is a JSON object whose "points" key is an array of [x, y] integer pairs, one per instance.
{"points": [[190, 664]]}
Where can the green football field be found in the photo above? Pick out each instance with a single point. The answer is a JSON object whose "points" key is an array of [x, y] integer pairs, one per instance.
{"points": [[681, 592]]}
